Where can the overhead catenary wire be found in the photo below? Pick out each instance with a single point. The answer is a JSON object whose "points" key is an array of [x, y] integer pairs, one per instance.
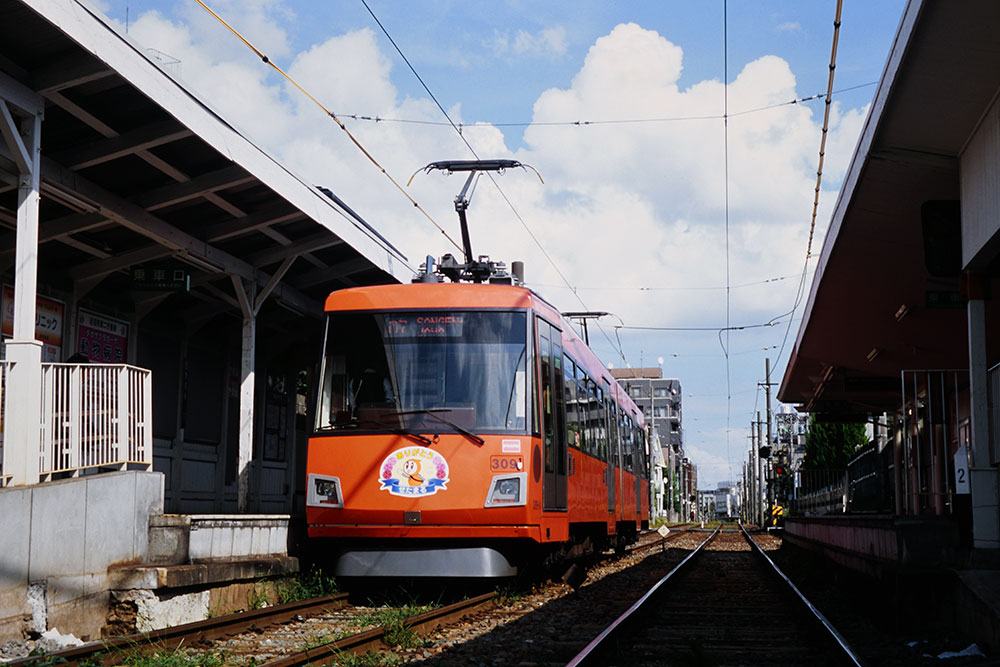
{"points": [[496, 184], [332, 115], [586, 123], [677, 288]]}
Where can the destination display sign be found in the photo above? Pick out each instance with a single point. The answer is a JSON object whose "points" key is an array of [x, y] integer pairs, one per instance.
{"points": [[428, 325]]}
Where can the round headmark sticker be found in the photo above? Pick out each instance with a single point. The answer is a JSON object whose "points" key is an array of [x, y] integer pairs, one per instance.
{"points": [[413, 471]]}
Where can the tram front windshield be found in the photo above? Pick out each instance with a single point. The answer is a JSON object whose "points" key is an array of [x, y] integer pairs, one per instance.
{"points": [[425, 371]]}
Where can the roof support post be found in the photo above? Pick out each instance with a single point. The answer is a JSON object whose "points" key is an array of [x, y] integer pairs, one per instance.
{"points": [[250, 303], [23, 391], [246, 292], [983, 480]]}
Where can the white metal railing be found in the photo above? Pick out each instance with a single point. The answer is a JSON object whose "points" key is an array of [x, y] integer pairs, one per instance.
{"points": [[95, 416], [820, 492], [4, 370]]}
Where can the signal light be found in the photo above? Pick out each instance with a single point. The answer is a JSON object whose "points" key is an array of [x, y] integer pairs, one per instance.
{"points": [[779, 470]]}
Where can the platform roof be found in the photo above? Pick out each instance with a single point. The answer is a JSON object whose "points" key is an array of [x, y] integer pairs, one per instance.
{"points": [[874, 308], [137, 169]]}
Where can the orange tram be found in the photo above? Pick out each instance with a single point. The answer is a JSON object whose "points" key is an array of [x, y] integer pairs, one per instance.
{"points": [[465, 430]]}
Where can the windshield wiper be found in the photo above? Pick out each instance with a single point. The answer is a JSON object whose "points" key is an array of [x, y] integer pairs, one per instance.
{"points": [[393, 429], [431, 413]]}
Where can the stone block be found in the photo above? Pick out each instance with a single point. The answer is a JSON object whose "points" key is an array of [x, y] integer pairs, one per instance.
{"points": [[278, 543], [149, 487], [169, 539], [242, 541], [200, 543], [110, 521], [222, 541], [58, 529], [15, 531], [260, 540]]}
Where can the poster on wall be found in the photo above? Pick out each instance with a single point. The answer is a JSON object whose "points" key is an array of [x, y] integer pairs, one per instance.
{"points": [[49, 317], [102, 339]]}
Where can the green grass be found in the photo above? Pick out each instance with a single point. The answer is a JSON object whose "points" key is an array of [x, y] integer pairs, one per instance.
{"points": [[509, 596], [367, 660], [305, 585], [174, 658], [393, 619], [258, 597]]}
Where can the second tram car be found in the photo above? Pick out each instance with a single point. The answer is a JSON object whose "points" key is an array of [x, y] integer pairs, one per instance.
{"points": [[466, 430]]}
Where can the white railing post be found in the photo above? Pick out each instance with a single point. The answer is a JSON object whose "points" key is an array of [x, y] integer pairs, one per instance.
{"points": [[124, 417], [147, 417], [4, 467], [74, 402]]}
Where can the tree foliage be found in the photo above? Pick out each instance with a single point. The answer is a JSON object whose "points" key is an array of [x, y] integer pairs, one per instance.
{"points": [[831, 446]]}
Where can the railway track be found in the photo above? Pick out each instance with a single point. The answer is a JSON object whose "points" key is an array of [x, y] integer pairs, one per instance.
{"points": [[300, 633], [725, 604], [227, 635], [189, 634]]}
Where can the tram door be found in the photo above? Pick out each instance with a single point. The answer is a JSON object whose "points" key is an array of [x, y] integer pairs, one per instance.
{"points": [[613, 462], [609, 448], [553, 416], [638, 465]]}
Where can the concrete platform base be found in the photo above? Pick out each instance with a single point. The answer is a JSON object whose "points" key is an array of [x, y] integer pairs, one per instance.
{"points": [[873, 544], [70, 550], [148, 598], [921, 559]]}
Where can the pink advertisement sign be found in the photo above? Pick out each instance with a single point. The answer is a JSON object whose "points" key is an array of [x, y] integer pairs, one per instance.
{"points": [[103, 340]]}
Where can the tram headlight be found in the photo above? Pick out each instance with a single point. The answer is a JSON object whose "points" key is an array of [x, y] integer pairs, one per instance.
{"points": [[507, 491], [324, 492]]}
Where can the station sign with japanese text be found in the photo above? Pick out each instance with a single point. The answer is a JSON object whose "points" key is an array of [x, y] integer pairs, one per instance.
{"points": [[49, 319], [160, 278], [102, 339]]}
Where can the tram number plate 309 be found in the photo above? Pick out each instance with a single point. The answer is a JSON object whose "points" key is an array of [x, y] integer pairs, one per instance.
{"points": [[506, 463]]}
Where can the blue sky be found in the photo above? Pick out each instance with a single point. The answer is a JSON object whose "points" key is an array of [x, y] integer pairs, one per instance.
{"points": [[632, 215]]}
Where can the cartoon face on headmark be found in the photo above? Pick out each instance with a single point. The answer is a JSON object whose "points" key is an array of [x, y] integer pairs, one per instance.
{"points": [[411, 468]]}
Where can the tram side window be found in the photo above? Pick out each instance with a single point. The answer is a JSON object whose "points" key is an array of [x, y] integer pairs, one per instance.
{"points": [[626, 430], [583, 412], [560, 407], [545, 356], [333, 392], [640, 451], [573, 435], [593, 415], [599, 419]]}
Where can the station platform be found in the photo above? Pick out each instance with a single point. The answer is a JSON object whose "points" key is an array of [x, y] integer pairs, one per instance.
{"points": [[921, 561], [96, 555]]}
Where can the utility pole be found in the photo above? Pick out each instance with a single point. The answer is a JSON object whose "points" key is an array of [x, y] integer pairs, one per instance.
{"points": [[767, 391], [752, 493], [761, 468]]}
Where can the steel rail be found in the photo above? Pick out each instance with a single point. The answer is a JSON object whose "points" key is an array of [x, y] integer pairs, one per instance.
{"points": [[831, 631], [189, 633], [592, 653], [374, 639]]}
